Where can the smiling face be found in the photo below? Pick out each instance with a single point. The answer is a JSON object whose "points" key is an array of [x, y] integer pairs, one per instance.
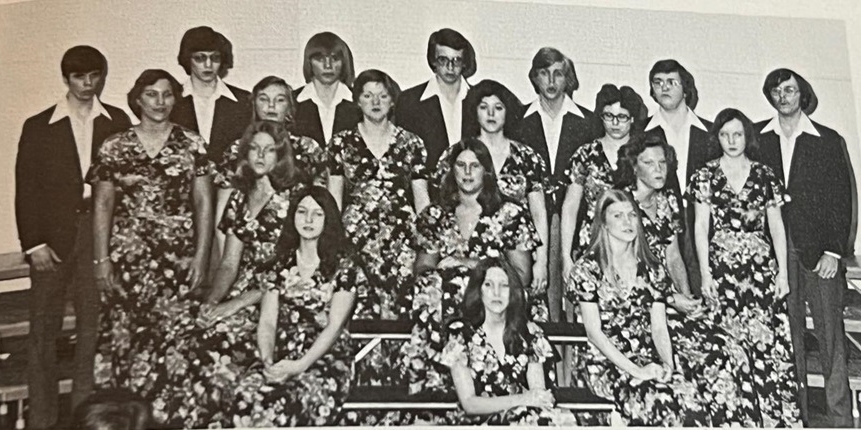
{"points": [[495, 291], [326, 68], [83, 86], [732, 140], [262, 155], [375, 101], [491, 114], [651, 168], [551, 81], [309, 219], [156, 101], [620, 221], [468, 173], [272, 103], [205, 65]]}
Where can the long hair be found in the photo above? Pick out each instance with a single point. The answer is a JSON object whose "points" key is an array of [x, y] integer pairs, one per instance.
{"points": [[628, 99], [112, 409], [689, 85], [808, 101], [751, 145], [326, 43], [546, 57], [266, 83], [515, 314], [487, 88], [490, 197], [626, 174], [283, 175], [600, 238], [332, 242]]}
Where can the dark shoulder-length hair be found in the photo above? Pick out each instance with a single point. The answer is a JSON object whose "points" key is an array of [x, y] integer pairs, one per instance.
{"points": [[628, 99], [546, 57], [147, 78], [626, 173], [751, 145], [808, 101], [332, 243], [205, 38], [266, 83], [490, 198], [283, 176], [456, 41], [515, 314], [379, 76], [112, 408], [689, 86], [487, 88], [326, 43]]}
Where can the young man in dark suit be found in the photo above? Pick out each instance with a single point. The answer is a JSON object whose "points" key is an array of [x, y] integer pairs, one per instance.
{"points": [[53, 210], [554, 126], [675, 91], [813, 162], [434, 110]]}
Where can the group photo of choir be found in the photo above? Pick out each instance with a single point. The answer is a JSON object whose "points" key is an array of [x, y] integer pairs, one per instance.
{"points": [[220, 244]]}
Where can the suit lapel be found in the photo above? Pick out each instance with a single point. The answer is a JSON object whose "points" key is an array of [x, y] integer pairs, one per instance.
{"points": [[184, 114], [66, 147], [533, 132], [805, 151]]}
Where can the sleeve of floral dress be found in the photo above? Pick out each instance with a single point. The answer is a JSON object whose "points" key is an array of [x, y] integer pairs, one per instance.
{"points": [[536, 171], [584, 281], [106, 165], [436, 176], [775, 194], [455, 350], [518, 230], [225, 168], [272, 276], [419, 158], [540, 349], [228, 220], [335, 154], [660, 283], [318, 158], [428, 229], [675, 213], [350, 277], [699, 190], [577, 167], [197, 146]]}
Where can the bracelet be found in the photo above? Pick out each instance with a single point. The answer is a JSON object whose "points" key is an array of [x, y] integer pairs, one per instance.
{"points": [[101, 260]]}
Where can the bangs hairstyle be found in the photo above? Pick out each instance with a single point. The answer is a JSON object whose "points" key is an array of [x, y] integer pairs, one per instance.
{"points": [[751, 145], [112, 409], [487, 88], [203, 39], [332, 242], [326, 43], [283, 175], [628, 99], [489, 198], [808, 101], [456, 41], [515, 314], [688, 85], [266, 83], [83, 59], [626, 173], [147, 78], [600, 237], [546, 57], [377, 76]]}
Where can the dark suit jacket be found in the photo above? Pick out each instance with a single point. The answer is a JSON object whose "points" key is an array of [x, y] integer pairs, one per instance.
{"points": [[819, 214], [307, 118], [49, 183], [575, 132], [424, 118], [229, 122]]}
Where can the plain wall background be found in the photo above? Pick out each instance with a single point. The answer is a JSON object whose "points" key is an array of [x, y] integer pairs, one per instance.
{"points": [[729, 46]]}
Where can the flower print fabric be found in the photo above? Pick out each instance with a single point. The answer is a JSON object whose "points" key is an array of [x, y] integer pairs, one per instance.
{"points": [[522, 173], [590, 169], [495, 376], [145, 339], [309, 159], [742, 263], [314, 397]]}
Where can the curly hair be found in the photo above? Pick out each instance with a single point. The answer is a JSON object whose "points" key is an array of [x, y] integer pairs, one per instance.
{"points": [[626, 173], [284, 174]]}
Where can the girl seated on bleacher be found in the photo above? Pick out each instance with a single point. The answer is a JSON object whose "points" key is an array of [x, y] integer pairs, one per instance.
{"points": [[496, 354]]}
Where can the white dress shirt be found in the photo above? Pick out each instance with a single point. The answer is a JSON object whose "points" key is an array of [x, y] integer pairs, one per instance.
{"points": [[787, 143], [326, 112], [204, 107], [452, 113], [553, 125], [680, 141]]}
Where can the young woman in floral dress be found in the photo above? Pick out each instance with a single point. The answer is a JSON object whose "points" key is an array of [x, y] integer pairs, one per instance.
{"points": [[152, 232], [746, 278], [496, 354], [305, 350], [491, 114], [471, 222]]}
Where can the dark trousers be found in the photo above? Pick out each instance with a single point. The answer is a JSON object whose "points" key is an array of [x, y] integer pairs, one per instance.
{"points": [[48, 293], [825, 297]]}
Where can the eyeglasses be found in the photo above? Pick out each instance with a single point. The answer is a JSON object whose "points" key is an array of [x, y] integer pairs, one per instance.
{"points": [[455, 63], [785, 91], [669, 83], [201, 57], [621, 118]]}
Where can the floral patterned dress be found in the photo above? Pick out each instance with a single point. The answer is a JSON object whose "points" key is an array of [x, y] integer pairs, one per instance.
{"points": [[315, 396], [590, 169], [742, 263], [626, 320], [145, 341], [704, 352], [439, 293], [310, 162], [521, 174], [495, 376]]}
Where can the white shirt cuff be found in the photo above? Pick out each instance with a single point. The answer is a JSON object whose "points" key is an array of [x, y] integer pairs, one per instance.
{"points": [[35, 248], [837, 256]]}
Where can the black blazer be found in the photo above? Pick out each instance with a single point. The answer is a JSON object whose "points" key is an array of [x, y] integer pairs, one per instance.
{"points": [[229, 122], [576, 131], [424, 118], [307, 118], [49, 183], [818, 217]]}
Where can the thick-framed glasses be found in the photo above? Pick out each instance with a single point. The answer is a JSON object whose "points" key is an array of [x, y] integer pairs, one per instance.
{"points": [[785, 91], [620, 118], [201, 57], [454, 63], [669, 83]]}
